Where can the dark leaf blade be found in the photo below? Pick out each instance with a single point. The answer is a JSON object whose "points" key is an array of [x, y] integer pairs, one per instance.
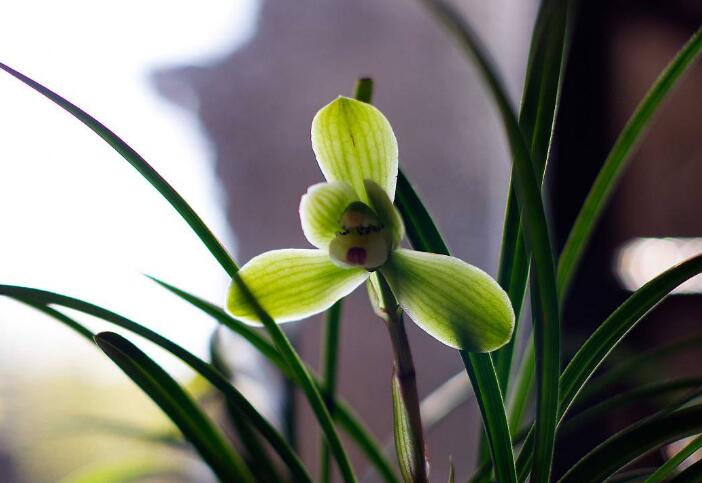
{"points": [[692, 474], [653, 390], [346, 418], [631, 443], [608, 335], [599, 345], [540, 100], [421, 229], [671, 465], [485, 384], [180, 408], [41, 297], [330, 357], [616, 161], [262, 465], [139, 163], [537, 239], [634, 364]]}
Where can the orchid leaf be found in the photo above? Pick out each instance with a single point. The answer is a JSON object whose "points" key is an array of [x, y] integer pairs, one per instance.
{"points": [[291, 284], [35, 297], [617, 160], [180, 408], [691, 474], [145, 169], [353, 141], [546, 314], [321, 208], [344, 415], [634, 442], [608, 335]]}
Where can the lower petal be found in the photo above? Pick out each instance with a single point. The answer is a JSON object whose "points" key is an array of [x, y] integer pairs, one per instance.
{"points": [[291, 284], [455, 302]]}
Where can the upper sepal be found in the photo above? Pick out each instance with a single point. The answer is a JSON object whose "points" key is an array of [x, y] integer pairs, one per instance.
{"points": [[353, 141]]}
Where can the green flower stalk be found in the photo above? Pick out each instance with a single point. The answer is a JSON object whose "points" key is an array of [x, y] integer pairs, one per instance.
{"points": [[352, 222]]}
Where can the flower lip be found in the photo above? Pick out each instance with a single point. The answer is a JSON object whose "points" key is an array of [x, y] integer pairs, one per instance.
{"points": [[362, 240], [356, 255]]}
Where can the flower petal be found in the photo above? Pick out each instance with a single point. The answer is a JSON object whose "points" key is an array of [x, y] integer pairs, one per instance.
{"points": [[291, 284], [354, 141], [321, 208], [386, 211], [455, 302]]}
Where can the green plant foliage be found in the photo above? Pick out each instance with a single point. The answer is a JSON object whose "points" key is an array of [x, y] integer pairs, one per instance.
{"points": [[226, 463], [357, 221]]}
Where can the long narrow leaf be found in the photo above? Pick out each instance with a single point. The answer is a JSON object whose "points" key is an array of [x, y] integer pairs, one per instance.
{"points": [[36, 296], [616, 161], [635, 364], [219, 252], [305, 380], [487, 391], [692, 474], [671, 465], [600, 344], [425, 236], [540, 101], [544, 295], [347, 419], [330, 353], [522, 388], [262, 465], [144, 168], [180, 408], [630, 444], [351, 423], [607, 336], [654, 390]]}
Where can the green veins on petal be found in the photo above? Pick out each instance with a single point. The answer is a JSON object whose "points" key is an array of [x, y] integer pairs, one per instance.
{"points": [[291, 284], [457, 303], [353, 222], [321, 208], [353, 141]]}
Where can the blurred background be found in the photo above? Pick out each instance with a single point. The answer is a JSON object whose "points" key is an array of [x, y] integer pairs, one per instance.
{"points": [[219, 98]]}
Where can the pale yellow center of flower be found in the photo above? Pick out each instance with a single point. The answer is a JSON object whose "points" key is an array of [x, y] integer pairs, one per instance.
{"points": [[362, 241]]}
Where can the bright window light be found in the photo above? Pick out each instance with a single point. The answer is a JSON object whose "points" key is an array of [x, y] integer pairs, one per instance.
{"points": [[642, 259]]}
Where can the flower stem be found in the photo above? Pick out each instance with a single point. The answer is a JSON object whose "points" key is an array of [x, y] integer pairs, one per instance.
{"points": [[409, 436]]}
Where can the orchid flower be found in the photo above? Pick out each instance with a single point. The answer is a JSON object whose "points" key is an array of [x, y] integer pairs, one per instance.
{"points": [[356, 229]]}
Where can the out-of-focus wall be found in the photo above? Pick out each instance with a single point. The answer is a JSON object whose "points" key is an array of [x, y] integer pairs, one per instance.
{"points": [[257, 105]]}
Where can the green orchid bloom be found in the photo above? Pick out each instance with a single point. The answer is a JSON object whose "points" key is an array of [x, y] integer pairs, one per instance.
{"points": [[352, 222]]}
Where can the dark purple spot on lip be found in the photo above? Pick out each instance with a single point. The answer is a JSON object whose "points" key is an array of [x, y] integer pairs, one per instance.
{"points": [[356, 256]]}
